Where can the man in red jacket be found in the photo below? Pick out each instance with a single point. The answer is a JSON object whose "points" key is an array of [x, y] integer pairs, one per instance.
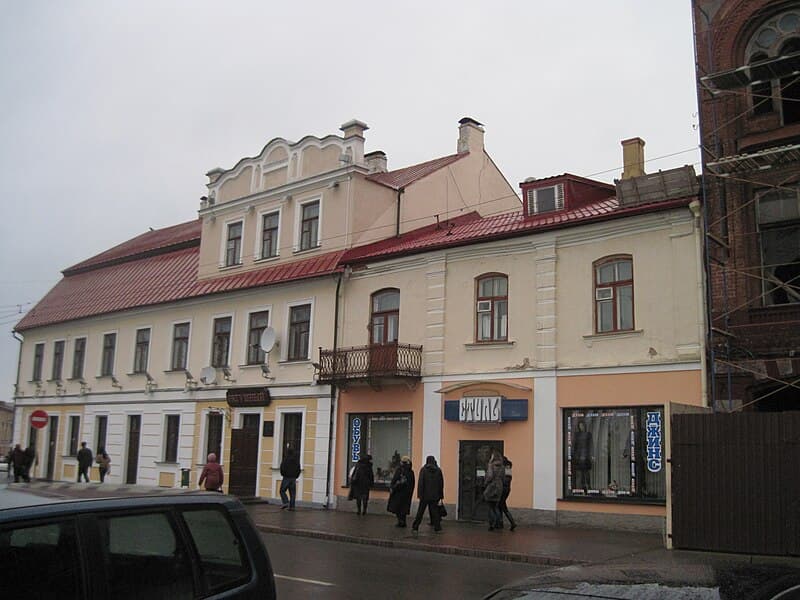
{"points": [[212, 475]]}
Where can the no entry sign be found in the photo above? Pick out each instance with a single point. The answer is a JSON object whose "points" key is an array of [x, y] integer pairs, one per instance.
{"points": [[39, 419]]}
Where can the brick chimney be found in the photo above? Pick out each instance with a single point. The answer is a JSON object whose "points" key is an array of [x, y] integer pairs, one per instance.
{"points": [[470, 135], [632, 158], [376, 161]]}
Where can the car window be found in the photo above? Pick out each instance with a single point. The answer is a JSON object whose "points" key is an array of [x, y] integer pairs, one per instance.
{"points": [[144, 558], [222, 559], [40, 561]]}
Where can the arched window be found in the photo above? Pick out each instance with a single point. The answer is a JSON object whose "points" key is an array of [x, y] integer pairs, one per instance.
{"points": [[491, 323], [761, 90], [613, 294], [790, 85], [385, 319]]}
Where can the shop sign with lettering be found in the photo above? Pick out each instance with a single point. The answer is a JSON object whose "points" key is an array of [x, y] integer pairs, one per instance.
{"points": [[654, 442], [355, 442], [480, 409], [247, 397]]}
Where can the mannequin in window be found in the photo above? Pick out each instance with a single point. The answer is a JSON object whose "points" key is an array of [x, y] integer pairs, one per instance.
{"points": [[582, 456]]}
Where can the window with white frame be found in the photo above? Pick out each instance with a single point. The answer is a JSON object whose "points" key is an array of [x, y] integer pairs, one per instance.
{"points": [[779, 237], [180, 346], [101, 429], [491, 308], [269, 234], [78, 357], [385, 320], [58, 360], [292, 433], [74, 432], [613, 294], [299, 331], [172, 425], [214, 434], [233, 244], [309, 225], [545, 199], [107, 360], [141, 351], [220, 349], [38, 360], [258, 322]]}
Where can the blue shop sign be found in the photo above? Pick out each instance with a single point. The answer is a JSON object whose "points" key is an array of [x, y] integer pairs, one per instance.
{"points": [[486, 409], [654, 441], [355, 441]]}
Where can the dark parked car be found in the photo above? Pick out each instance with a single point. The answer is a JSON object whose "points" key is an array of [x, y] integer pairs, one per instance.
{"points": [[66, 540]]}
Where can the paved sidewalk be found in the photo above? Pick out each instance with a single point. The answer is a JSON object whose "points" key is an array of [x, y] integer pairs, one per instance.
{"points": [[557, 546]]}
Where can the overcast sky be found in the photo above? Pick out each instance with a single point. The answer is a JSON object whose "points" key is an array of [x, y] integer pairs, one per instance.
{"points": [[112, 112]]}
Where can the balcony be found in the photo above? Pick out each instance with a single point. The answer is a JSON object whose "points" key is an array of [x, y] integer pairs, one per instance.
{"points": [[370, 364]]}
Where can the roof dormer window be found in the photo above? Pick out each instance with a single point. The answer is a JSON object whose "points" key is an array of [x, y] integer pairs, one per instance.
{"points": [[545, 199]]}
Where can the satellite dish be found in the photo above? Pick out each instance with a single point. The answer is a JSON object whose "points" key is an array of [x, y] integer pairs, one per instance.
{"points": [[267, 339], [208, 375]]}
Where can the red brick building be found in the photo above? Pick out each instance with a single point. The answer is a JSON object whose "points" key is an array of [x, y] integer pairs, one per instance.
{"points": [[748, 72]]}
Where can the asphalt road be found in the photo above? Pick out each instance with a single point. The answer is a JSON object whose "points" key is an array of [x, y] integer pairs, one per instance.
{"points": [[307, 567]]}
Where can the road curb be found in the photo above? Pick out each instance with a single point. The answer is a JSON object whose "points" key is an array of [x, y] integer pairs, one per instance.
{"points": [[407, 545]]}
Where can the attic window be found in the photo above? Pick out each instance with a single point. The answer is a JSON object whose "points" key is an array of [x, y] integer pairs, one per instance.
{"points": [[545, 199]]}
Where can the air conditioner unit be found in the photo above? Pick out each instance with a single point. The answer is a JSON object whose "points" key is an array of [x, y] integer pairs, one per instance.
{"points": [[484, 306], [605, 293]]}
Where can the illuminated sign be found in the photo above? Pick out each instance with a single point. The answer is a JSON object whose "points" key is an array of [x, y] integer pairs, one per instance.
{"points": [[480, 409], [654, 442], [356, 439]]}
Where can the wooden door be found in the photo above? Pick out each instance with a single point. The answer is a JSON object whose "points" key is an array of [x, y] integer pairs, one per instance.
{"points": [[473, 457], [52, 447], [134, 433], [243, 461]]}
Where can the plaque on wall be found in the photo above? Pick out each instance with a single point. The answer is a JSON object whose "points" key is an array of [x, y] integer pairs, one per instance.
{"points": [[248, 397], [268, 429]]}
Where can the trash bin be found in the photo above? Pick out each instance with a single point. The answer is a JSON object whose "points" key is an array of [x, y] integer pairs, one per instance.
{"points": [[185, 478]]}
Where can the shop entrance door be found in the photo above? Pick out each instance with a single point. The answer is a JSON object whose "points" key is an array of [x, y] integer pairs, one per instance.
{"points": [[473, 456], [244, 458], [51, 448]]}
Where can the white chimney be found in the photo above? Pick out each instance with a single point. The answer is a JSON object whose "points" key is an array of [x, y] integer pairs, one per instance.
{"points": [[470, 135], [376, 161]]}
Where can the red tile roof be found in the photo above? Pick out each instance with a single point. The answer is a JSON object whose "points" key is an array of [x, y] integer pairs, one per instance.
{"points": [[400, 178], [471, 228], [155, 279]]}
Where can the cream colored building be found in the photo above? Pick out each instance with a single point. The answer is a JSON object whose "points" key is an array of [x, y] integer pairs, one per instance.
{"points": [[151, 350]]}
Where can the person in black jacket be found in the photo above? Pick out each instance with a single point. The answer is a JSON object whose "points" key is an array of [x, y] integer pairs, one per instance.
{"points": [[85, 458], [290, 471], [361, 482], [430, 490], [401, 490], [506, 491]]}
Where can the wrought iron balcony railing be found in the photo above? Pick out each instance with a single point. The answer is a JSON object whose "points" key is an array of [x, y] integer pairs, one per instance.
{"points": [[371, 362]]}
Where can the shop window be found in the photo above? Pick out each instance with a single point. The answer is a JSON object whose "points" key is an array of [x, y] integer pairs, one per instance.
{"points": [[386, 437], [613, 294], [779, 236], [385, 319], [615, 453], [491, 303]]}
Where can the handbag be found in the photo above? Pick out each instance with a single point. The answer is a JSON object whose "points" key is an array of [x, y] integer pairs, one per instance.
{"points": [[442, 509]]}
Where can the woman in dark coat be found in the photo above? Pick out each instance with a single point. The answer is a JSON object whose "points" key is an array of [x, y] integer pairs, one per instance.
{"points": [[401, 490], [361, 482], [506, 492], [495, 474]]}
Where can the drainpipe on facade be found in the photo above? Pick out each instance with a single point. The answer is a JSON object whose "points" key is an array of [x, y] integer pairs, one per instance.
{"points": [[16, 383], [399, 193], [697, 211], [329, 476]]}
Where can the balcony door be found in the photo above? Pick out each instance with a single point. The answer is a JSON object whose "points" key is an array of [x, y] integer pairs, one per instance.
{"points": [[384, 326]]}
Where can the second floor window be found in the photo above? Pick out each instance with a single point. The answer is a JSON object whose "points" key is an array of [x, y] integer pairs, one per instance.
{"points": [[109, 347], [258, 323], [38, 359], [385, 316], [58, 360], [299, 329], [492, 308], [269, 235], [309, 226], [180, 346], [233, 244], [613, 294], [222, 341], [142, 351], [78, 358]]}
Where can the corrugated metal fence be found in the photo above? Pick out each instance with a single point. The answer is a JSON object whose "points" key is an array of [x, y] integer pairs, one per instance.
{"points": [[736, 482]]}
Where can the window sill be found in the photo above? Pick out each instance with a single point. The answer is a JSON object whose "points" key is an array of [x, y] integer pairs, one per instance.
{"points": [[230, 267], [615, 500], [613, 335], [251, 366], [303, 250], [295, 361], [164, 463], [265, 259], [489, 345], [168, 371], [104, 376]]}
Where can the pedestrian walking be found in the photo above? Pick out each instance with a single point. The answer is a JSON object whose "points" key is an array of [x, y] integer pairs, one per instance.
{"points": [[290, 471], [30, 461], [84, 462], [18, 460], [495, 473], [361, 482], [430, 491], [10, 462], [401, 490], [506, 491], [103, 463], [212, 475]]}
